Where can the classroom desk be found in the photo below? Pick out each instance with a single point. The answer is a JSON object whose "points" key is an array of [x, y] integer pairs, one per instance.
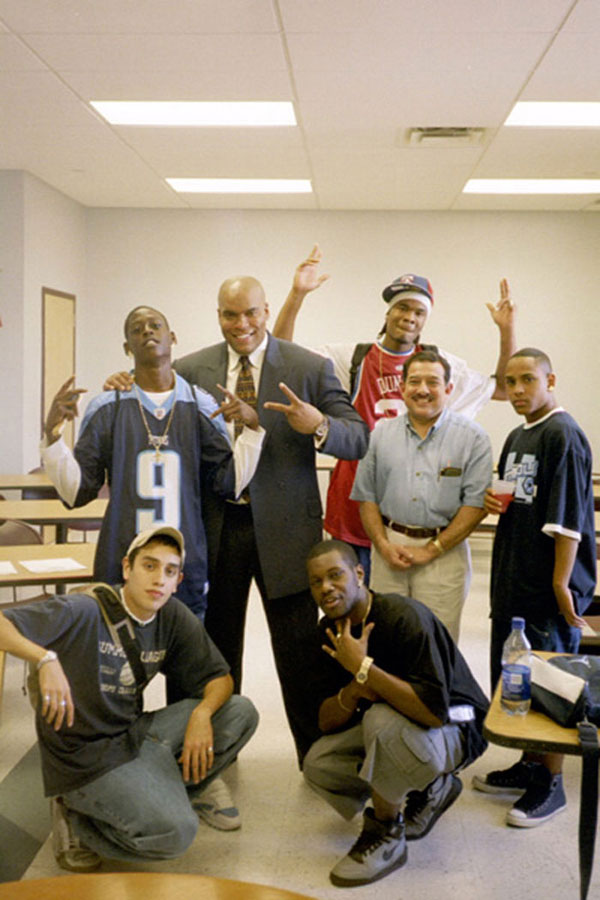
{"points": [[28, 480], [80, 553], [142, 886], [539, 734], [52, 512], [535, 731]]}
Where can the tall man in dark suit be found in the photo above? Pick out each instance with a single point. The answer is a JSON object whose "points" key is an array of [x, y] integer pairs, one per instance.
{"points": [[267, 535]]}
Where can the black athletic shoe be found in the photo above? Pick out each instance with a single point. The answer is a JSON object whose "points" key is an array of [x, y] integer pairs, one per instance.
{"points": [[423, 808], [503, 781]]}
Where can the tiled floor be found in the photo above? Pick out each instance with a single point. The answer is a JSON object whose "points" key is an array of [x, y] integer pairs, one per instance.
{"points": [[290, 838]]}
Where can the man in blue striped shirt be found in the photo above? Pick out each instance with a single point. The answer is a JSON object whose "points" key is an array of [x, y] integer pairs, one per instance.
{"points": [[421, 487]]}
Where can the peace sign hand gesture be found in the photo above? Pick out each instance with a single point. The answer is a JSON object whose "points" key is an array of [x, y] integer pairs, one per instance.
{"points": [[63, 408], [302, 417]]}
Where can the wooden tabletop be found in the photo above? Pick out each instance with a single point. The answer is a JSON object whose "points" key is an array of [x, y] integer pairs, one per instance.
{"points": [[80, 553], [50, 512], [141, 886], [535, 731], [27, 480]]}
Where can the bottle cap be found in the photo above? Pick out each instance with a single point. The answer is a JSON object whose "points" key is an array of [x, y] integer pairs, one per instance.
{"points": [[518, 622]]}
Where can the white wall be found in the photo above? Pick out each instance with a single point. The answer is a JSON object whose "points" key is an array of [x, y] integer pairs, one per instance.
{"points": [[11, 312], [43, 246], [176, 260], [54, 242]]}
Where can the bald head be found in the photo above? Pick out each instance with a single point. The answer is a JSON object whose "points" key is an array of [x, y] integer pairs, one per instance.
{"points": [[241, 285], [243, 313]]}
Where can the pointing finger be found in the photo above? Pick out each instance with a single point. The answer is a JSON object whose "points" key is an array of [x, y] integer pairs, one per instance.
{"points": [[227, 393]]}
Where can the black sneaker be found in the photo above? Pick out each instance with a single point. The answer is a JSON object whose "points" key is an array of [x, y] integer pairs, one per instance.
{"points": [[380, 848], [503, 781], [543, 799], [423, 808]]}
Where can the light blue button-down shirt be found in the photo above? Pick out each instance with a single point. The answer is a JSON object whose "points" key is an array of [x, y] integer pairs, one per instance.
{"points": [[424, 481]]}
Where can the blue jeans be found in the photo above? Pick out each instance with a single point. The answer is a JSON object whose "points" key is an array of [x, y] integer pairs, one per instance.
{"points": [[142, 808], [364, 558]]}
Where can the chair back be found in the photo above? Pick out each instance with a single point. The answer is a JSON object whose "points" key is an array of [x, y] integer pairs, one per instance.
{"points": [[13, 532]]}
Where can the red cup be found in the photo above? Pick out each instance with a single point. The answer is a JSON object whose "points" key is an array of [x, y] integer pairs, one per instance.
{"points": [[504, 492]]}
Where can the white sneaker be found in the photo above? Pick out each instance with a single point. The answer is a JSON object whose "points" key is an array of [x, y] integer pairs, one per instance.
{"points": [[216, 807], [69, 852]]}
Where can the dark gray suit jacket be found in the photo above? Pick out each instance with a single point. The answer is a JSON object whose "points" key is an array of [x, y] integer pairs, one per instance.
{"points": [[284, 493]]}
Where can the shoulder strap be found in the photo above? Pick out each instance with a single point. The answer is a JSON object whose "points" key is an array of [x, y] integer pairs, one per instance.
{"points": [[120, 627], [360, 351]]}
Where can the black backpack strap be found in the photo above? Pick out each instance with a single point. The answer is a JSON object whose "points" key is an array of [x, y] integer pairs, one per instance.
{"points": [[588, 805], [360, 351], [121, 629]]}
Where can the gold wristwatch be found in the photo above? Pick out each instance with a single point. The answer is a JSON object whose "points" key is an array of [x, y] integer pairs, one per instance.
{"points": [[363, 673]]}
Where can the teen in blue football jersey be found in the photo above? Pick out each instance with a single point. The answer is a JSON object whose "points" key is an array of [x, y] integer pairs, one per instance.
{"points": [[158, 450]]}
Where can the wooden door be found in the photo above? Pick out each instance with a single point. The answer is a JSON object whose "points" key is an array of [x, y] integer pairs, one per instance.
{"points": [[58, 348]]}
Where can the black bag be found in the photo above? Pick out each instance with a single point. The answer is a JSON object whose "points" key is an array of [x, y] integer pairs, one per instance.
{"points": [[567, 689]]}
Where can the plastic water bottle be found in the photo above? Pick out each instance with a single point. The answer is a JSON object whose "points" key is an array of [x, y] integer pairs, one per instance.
{"points": [[516, 671]]}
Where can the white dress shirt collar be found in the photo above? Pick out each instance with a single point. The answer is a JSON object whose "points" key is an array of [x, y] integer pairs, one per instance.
{"points": [[256, 357]]}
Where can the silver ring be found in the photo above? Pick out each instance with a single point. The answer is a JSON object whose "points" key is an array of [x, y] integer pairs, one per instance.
{"points": [[210, 749], [63, 702], [46, 698]]}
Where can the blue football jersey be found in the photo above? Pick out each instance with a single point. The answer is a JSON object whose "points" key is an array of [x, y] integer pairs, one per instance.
{"points": [[149, 488]]}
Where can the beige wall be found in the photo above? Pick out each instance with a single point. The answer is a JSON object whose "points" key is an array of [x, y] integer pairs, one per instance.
{"points": [[176, 261]]}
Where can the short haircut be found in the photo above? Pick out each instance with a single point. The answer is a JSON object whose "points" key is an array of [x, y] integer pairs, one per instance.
{"points": [[542, 358], [164, 539], [135, 309], [345, 550], [431, 356]]}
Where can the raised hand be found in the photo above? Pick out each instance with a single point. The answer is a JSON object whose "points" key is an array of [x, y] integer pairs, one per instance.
{"points": [[503, 312], [236, 410], [347, 650], [306, 276], [63, 408], [302, 417]]}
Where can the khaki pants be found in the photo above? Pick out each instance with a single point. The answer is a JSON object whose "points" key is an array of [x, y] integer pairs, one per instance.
{"points": [[442, 584], [387, 753]]}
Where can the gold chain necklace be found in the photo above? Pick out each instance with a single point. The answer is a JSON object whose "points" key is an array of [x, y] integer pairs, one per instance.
{"points": [[158, 441]]}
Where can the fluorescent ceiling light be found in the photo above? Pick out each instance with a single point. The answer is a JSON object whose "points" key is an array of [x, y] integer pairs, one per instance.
{"points": [[555, 115], [194, 114], [532, 186], [241, 185]]}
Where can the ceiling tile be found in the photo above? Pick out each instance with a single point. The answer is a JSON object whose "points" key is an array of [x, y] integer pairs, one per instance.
{"points": [[147, 17]]}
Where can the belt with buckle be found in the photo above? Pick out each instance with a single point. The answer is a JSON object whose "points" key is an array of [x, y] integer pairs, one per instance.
{"points": [[410, 530]]}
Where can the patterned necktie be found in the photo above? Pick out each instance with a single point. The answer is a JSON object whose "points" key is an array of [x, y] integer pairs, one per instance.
{"points": [[244, 390]]}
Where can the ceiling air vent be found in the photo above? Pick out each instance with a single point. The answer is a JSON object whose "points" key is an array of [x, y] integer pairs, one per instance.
{"points": [[442, 138]]}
